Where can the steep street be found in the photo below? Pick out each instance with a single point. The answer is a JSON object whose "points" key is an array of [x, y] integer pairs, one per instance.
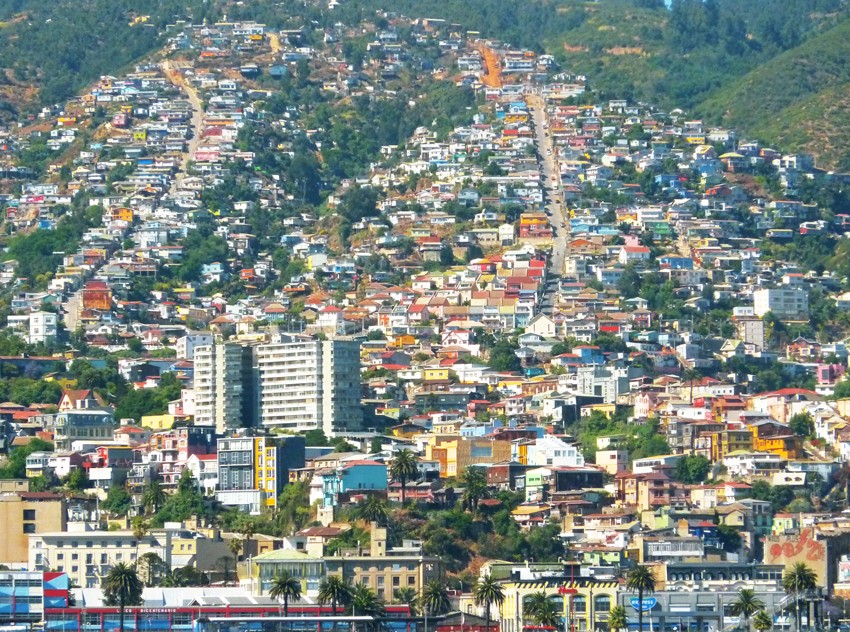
{"points": [[550, 173]]}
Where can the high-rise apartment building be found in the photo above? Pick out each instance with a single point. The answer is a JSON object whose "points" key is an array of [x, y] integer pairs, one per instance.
{"points": [[225, 386], [308, 384]]}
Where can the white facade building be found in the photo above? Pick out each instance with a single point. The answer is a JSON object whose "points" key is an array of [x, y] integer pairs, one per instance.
{"points": [[44, 327], [790, 303]]}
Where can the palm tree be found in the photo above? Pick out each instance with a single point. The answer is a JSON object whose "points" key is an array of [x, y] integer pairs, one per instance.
{"points": [[248, 530], [640, 580], [364, 602], [336, 591], [799, 579], [534, 603], [746, 605], [435, 598], [475, 487], [373, 509], [762, 621], [122, 587], [486, 592], [235, 546], [617, 620], [140, 530], [544, 612], [403, 469], [287, 587], [153, 497], [406, 595]]}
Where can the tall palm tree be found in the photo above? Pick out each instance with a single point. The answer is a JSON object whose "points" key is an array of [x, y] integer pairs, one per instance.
{"points": [[406, 595], [640, 580], [475, 488], [435, 598], [122, 587], [486, 592], [140, 530], [235, 546], [285, 586], [746, 605], [247, 530], [617, 619], [336, 591], [403, 469], [762, 621], [373, 509], [153, 497], [799, 579]]}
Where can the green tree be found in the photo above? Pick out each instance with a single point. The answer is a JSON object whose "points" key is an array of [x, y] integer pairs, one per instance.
{"points": [[746, 604], [640, 580], [693, 469], [487, 592], [373, 509], [153, 498], [617, 620], [285, 586], [762, 621], [16, 464], [841, 390], [503, 357], [118, 501], [541, 610], [336, 591], [406, 595], [293, 507], [435, 598], [122, 587], [403, 468], [802, 425], [475, 488], [798, 580], [235, 545]]}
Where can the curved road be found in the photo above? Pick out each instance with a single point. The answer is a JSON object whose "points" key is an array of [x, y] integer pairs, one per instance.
{"points": [[550, 173]]}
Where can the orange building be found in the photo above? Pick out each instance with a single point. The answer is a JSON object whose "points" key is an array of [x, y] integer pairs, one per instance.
{"points": [[97, 295]]}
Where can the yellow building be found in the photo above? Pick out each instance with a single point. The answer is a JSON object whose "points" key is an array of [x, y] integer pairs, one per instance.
{"points": [[455, 454], [158, 422], [435, 374], [23, 514], [585, 604]]}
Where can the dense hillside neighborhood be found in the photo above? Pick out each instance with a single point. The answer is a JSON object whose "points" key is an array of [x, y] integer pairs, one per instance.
{"points": [[393, 325]]}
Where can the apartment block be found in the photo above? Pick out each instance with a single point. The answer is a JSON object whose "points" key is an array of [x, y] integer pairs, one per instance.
{"points": [[788, 303], [225, 392], [26, 513], [25, 595], [308, 384]]}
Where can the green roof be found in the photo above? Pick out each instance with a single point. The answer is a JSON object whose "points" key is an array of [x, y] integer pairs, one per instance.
{"points": [[285, 555]]}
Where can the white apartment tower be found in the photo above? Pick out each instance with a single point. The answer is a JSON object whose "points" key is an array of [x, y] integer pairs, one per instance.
{"points": [[308, 384], [224, 386]]}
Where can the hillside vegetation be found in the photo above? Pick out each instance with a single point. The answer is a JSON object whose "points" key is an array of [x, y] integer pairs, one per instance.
{"points": [[49, 50], [798, 100]]}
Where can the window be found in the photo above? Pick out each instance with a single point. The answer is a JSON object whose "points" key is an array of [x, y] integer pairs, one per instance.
{"points": [[29, 514], [29, 527], [411, 580], [396, 582], [579, 604], [602, 603]]}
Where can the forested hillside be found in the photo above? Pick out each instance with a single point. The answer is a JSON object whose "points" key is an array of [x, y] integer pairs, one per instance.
{"points": [[49, 50]]}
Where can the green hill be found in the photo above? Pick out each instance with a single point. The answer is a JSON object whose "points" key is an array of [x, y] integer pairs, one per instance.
{"points": [[798, 100], [49, 50]]}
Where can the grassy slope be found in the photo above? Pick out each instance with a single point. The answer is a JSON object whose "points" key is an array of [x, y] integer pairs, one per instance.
{"points": [[798, 100]]}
